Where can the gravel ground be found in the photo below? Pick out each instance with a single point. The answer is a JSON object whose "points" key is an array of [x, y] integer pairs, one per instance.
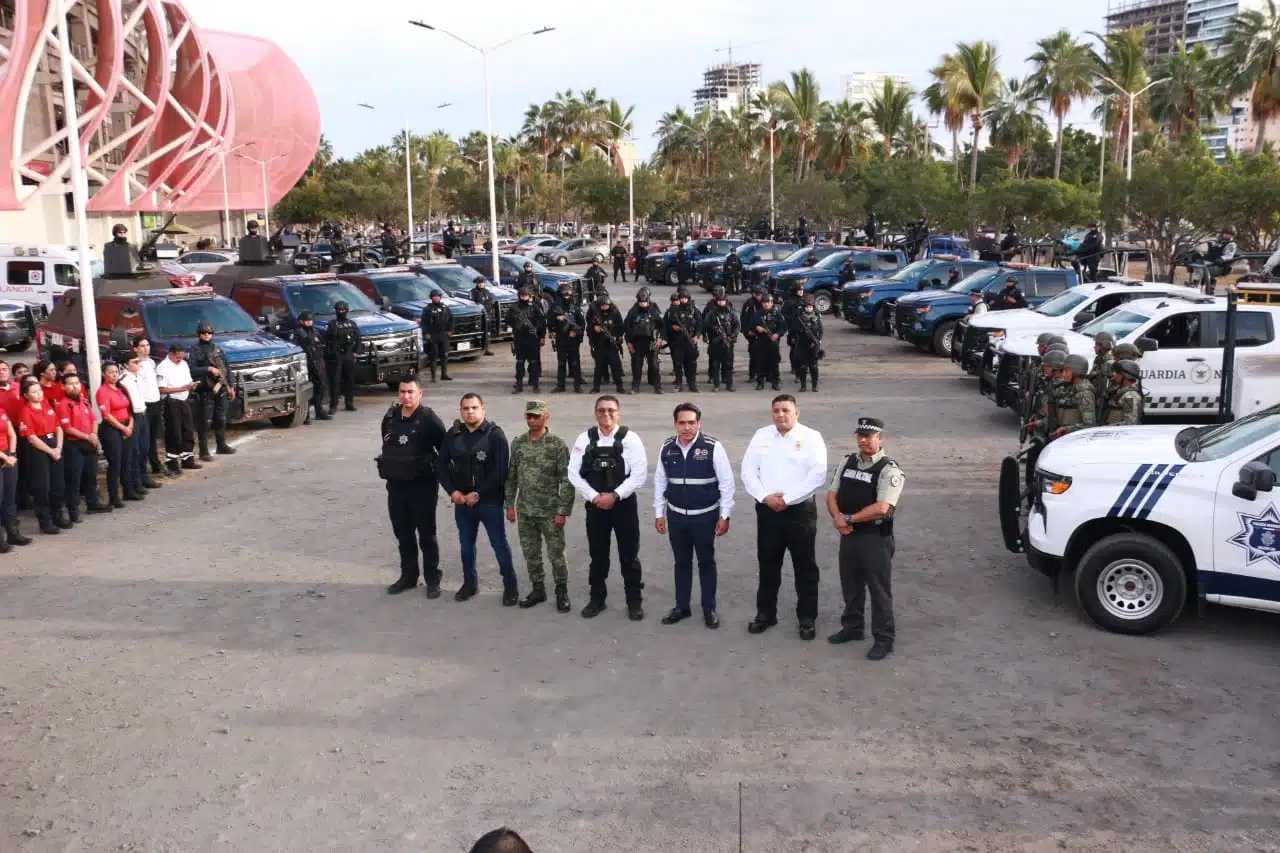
{"points": [[227, 673]]}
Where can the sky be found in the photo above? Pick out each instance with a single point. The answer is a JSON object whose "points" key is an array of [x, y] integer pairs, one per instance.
{"points": [[651, 59]]}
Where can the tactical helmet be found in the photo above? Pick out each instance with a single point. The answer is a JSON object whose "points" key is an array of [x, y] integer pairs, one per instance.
{"points": [[1126, 350], [341, 306], [436, 294], [1077, 364], [768, 297], [528, 265], [1055, 358], [757, 289], [1105, 339], [526, 292], [682, 292], [717, 293], [643, 294], [1042, 340], [1128, 368], [675, 297], [204, 326], [807, 302], [304, 316], [252, 225]]}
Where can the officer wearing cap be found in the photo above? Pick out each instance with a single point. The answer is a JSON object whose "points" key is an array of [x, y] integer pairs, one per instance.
{"points": [[1124, 404], [308, 337], [482, 296], [341, 343], [539, 499], [1077, 408], [1011, 296], [861, 499], [209, 369], [437, 325], [720, 326]]}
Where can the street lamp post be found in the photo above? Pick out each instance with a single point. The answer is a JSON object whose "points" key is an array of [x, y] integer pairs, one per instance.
{"points": [[408, 177], [1132, 96], [266, 200], [488, 115], [226, 194], [631, 183]]}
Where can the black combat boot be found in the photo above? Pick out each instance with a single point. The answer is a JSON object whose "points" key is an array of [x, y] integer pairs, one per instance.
{"points": [[62, 518], [533, 386], [559, 388], [224, 449], [432, 373], [14, 534], [635, 387], [536, 596], [323, 414], [517, 388], [5, 547], [444, 374], [510, 595], [205, 455], [693, 387], [48, 528], [350, 406], [814, 386], [562, 598], [191, 465], [577, 387], [804, 383], [759, 384], [777, 386]]}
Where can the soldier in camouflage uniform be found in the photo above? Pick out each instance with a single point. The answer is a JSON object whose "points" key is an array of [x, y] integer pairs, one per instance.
{"points": [[539, 499], [1044, 414], [1100, 375], [1077, 408], [1124, 404]]}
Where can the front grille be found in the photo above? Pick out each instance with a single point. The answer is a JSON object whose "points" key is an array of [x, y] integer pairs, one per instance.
{"points": [[392, 348], [903, 319], [652, 267], [468, 325], [272, 377], [971, 348], [581, 292], [849, 302], [502, 308]]}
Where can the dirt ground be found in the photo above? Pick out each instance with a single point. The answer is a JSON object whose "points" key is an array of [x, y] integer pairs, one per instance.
{"points": [[220, 670]]}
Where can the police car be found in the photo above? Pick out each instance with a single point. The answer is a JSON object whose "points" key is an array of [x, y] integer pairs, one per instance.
{"points": [[1149, 518], [1181, 339]]}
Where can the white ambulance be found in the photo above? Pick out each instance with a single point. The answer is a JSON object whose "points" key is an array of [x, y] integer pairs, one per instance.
{"points": [[37, 274]]}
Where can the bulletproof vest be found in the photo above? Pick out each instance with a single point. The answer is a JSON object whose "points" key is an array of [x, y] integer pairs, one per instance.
{"points": [[858, 490], [388, 242], [344, 332], [692, 486], [309, 340], [643, 326], [1068, 405], [481, 295], [117, 260], [603, 467], [467, 464], [521, 319], [1113, 412], [433, 315], [253, 249], [721, 319], [402, 458]]}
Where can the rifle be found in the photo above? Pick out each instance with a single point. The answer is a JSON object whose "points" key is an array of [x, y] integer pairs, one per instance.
{"points": [[145, 250], [815, 344]]}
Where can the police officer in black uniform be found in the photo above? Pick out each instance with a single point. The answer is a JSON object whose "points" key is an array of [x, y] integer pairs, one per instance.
{"points": [[209, 367], [750, 318], [1089, 252], [338, 250], [638, 252], [769, 328], [411, 437], [802, 231], [437, 325], [720, 326], [861, 500], [568, 327], [594, 276], [1010, 297], [808, 350], [619, 255], [307, 336], [1009, 243], [846, 271], [679, 260], [791, 314], [389, 245], [606, 331], [341, 343], [680, 328], [643, 332], [733, 272], [529, 330], [482, 296], [529, 280], [449, 239]]}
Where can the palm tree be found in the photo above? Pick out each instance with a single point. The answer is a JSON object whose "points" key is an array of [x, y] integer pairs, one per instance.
{"points": [[1063, 75], [1014, 119], [940, 100], [676, 148], [435, 153], [1251, 63], [537, 129], [975, 79], [844, 130], [322, 158], [800, 105], [612, 128], [916, 141], [1122, 60], [890, 112], [1192, 95]]}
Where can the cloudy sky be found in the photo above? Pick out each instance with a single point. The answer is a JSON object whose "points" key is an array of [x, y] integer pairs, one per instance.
{"points": [[648, 55]]}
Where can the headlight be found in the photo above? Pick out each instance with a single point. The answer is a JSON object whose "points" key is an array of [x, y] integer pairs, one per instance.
{"points": [[865, 294], [417, 337], [300, 367], [924, 309], [1054, 484], [795, 281], [995, 334]]}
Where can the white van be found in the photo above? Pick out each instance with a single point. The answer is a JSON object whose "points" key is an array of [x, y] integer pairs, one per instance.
{"points": [[37, 274]]}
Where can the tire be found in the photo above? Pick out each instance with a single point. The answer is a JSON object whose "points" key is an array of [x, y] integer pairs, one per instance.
{"points": [[18, 347], [942, 339], [672, 277], [882, 321], [822, 302], [1131, 583], [1010, 505], [290, 421], [562, 261]]}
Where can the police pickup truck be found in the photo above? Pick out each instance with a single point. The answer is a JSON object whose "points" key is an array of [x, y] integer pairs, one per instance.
{"points": [[1182, 340], [270, 375], [406, 293], [1150, 517]]}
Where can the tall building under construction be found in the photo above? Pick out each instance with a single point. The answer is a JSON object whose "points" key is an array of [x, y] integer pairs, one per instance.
{"points": [[726, 86]]}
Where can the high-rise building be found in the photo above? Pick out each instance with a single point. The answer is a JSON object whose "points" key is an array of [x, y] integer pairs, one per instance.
{"points": [[726, 86], [861, 86], [1165, 22]]}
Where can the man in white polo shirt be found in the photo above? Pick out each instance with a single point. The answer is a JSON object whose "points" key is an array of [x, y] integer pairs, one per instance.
{"points": [[155, 407], [785, 464], [174, 377]]}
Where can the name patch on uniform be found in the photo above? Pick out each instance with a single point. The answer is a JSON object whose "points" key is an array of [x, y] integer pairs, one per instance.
{"points": [[701, 453], [855, 474], [1259, 536]]}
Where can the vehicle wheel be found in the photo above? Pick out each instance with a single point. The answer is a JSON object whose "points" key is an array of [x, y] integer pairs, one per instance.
{"points": [[18, 347], [673, 277], [822, 302], [599, 258], [882, 322], [561, 261], [942, 339], [290, 421], [1010, 505], [1131, 583]]}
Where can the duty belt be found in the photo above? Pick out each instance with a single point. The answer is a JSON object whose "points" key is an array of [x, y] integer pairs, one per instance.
{"points": [[703, 511], [692, 481]]}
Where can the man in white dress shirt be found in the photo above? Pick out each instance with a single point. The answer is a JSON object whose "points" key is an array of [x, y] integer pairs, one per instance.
{"points": [[173, 375], [784, 466], [692, 501], [607, 466]]}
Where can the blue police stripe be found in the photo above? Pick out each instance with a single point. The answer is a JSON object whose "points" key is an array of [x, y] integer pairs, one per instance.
{"points": [[1153, 497], [1128, 490], [1153, 477]]}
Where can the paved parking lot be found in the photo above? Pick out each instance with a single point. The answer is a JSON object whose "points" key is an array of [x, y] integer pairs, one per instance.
{"points": [[221, 670]]}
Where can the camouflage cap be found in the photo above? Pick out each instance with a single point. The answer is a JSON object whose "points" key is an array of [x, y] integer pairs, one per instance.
{"points": [[535, 407], [1126, 350], [1077, 364], [1106, 339], [1127, 368], [1055, 358]]}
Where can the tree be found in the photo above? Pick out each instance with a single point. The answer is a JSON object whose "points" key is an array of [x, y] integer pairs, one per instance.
{"points": [[976, 80], [307, 202], [677, 148], [1063, 75], [1251, 64], [844, 132], [900, 190], [940, 99], [1122, 61], [435, 154], [320, 160], [800, 105], [1191, 95], [1246, 197], [1014, 119], [1038, 206], [891, 113]]}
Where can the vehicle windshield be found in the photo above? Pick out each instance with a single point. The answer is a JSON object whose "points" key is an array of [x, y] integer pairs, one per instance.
{"points": [[1062, 303], [528, 238], [798, 256], [455, 280], [980, 280], [179, 318], [1118, 321], [1205, 444], [834, 261], [690, 247], [911, 272], [404, 288], [319, 299], [516, 264]]}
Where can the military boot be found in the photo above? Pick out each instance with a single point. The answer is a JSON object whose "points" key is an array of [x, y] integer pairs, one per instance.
{"points": [[777, 386], [562, 598], [432, 372], [804, 383], [760, 384], [205, 455], [558, 388], [536, 596], [14, 534]]}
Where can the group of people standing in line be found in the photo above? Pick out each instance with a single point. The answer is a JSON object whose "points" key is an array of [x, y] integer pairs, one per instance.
{"points": [[536, 480]]}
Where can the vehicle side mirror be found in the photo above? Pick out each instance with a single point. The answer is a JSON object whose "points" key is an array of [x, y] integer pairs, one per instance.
{"points": [[1084, 317], [385, 302], [264, 320], [1147, 344], [1254, 477]]}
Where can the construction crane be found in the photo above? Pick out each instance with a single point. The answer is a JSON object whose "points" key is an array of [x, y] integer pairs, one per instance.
{"points": [[730, 46]]}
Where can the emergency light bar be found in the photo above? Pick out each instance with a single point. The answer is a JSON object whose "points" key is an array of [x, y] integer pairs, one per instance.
{"points": [[204, 290], [313, 278], [1018, 266]]}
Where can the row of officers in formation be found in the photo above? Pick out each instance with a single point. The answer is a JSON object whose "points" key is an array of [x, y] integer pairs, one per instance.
{"points": [[536, 480], [1068, 394], [643, 333]]}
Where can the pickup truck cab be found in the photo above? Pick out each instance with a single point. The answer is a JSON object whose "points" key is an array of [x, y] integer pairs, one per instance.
{"points": [[927, 320], [868, 304], [457, 281], [269, 374], [405, 292], [762, 272], [708, 270], [660, 267], [391, 346], [1152, 517], [510, 267], [1182, 340], [822, 280]]}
